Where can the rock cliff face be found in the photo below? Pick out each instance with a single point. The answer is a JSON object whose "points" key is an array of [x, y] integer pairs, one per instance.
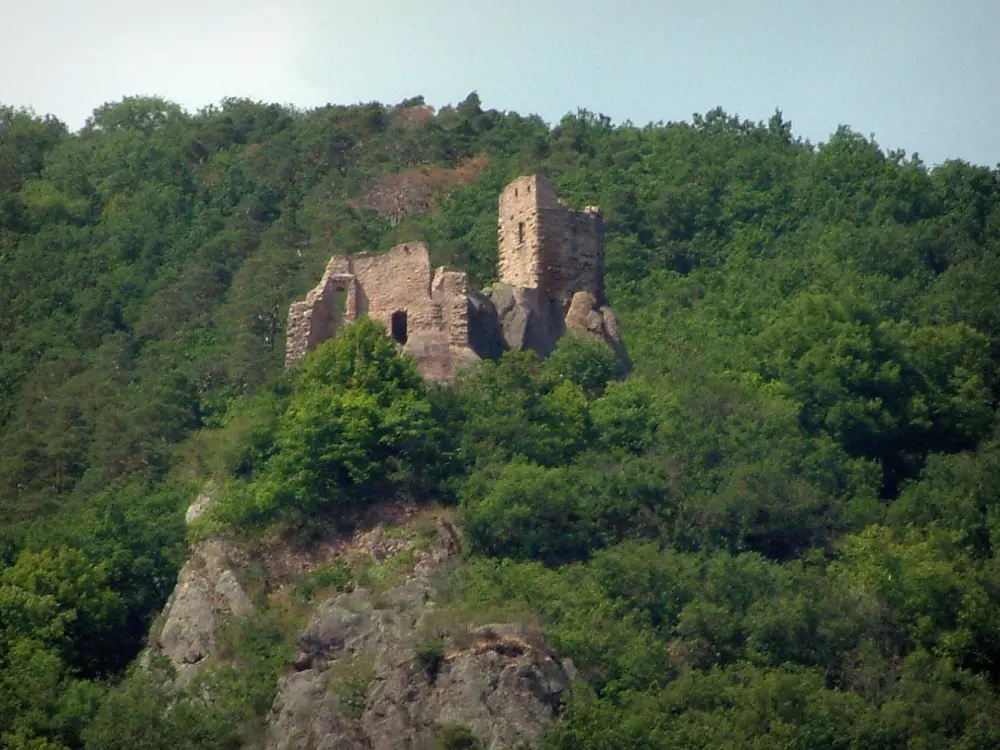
{"points": [[207, 593], [381, 665], [499, 689], [528, 319], [499, 681]]}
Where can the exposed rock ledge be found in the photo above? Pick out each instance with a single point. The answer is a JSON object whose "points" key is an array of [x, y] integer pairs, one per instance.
{"points": [[207, 593], [500, 681], [502, 684]]}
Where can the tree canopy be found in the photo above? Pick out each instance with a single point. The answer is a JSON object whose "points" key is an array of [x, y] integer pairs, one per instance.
{"points": [[779, 530]]}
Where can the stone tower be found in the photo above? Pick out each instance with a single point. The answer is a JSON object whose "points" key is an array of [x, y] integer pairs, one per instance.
{"points": [[546, 246]]}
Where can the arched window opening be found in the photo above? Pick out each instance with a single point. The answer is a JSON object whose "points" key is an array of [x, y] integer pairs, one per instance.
{"points": [[398, 326]]}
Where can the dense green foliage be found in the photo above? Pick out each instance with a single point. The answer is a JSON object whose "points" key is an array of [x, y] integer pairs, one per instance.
{"points": [[780, 530], [357, 420]]}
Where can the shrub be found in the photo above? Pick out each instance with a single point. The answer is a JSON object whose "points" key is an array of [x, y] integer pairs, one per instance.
{"points": [[455, 737], [335, 575]]}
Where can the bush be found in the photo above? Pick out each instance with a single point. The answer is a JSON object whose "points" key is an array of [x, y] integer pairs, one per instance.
{"points": [[358, 426], [349, 680], [430, 654], [455, 737], [585, 362], [335, 575]]}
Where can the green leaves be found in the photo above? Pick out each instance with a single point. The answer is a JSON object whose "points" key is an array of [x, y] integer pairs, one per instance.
{"points": [[584, 362], [358, 423], [885, 391], [933, 590], [527, 512], [146, 114], [363, 358], [58, 621], [24, 141], [63, 602]]}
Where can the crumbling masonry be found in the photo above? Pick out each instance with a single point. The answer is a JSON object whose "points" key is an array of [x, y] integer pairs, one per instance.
{"points": [[546, 246], [551, 279]]}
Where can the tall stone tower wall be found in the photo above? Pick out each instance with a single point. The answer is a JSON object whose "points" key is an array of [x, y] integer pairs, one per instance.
{"points": [[519, 231], [545, 245]]}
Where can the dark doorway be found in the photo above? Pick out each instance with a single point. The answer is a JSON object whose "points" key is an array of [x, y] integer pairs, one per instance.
{"points": [[398, 326]]}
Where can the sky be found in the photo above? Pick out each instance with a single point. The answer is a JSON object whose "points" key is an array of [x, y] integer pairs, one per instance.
{"points": [[919, 75]]}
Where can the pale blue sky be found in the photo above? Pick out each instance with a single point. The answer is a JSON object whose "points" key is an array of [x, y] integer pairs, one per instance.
{"points": [[923, 75]]}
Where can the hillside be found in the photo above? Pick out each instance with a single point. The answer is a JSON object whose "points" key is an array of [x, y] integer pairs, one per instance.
{"points": [[780, 530]]}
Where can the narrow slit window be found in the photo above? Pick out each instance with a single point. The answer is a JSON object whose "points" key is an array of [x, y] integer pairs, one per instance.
{"points": [[398, 326], [520, 233]]}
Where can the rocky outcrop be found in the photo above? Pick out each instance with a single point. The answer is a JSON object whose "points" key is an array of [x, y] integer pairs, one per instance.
{"points": [[207, 593], [379, 672], [586, 316], [486, 335], [380, 666], [531, 320], [504, 690], [527, 318]]}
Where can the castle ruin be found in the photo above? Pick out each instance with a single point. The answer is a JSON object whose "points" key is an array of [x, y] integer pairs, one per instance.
{"points": [[551, 272], [544, 245]]}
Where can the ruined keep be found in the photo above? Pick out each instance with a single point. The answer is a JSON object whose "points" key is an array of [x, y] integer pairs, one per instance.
{"points": [[544, 245], [551, 273]]}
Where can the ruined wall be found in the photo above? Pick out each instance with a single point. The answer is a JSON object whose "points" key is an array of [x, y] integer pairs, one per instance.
{"points": [[397, 281], [547, 246], [427, 314], [330, 305], [450, 291], [586, 266]]}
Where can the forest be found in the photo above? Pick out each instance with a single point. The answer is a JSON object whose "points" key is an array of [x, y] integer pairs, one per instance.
{"points": [[779, 529]]}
